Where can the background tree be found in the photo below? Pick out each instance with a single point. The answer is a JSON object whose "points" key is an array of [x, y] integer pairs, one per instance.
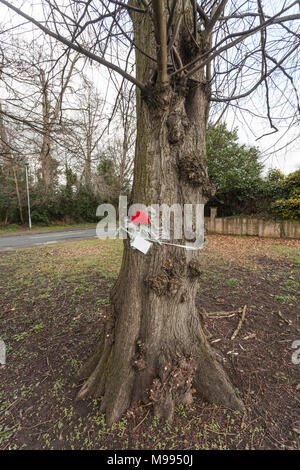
{"points": [[124, 145], [188, 54], [10, 175], [288, 207], [84, 126], [35, 80], [10, 164], [107, 182], [235, 170], [273, 181], [38, 78], [241, 188]]}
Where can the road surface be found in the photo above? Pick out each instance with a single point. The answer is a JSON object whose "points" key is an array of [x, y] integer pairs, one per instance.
{"points": [[12, 242]]}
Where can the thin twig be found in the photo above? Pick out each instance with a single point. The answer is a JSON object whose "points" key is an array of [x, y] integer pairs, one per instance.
{"points": [[283, 318], [222, 313], [240, 322], [138, 425]]}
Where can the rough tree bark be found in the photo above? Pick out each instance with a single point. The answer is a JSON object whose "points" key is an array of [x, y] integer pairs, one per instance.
{"points": [[18, 195], [153, 347], [9, 158]]}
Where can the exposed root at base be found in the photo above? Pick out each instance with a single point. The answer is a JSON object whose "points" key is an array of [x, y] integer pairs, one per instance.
{"points": [[171, 387]]}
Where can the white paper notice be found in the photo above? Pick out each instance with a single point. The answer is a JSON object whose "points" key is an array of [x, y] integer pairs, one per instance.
{"points": [[141, 244]]}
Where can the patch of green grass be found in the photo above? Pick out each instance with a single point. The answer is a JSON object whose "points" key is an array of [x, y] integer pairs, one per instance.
{"points": [[103, 257], [291, 285], [18, 228], [103, 301], [181, 410], [38, 327], [250, 267], [20, 336], [79, 289], [58, 279], [288, 299], [9, 228], [282, 251], [58, 385], [234, 282], [6, 432]]}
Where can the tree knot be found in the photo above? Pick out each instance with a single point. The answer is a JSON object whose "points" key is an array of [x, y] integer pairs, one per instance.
{"points": [[173, 386], [157, 97], [169, 279], [193, 170], [194, 268]]}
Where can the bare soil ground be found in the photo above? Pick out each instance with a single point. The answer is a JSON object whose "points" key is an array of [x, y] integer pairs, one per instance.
{"points": [[52, 299]]}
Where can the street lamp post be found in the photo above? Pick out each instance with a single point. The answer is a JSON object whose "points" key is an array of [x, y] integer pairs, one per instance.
{"points": [[28, 199]]}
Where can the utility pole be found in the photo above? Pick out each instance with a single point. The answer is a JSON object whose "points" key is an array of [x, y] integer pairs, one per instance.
{"points": [[28, 199]]}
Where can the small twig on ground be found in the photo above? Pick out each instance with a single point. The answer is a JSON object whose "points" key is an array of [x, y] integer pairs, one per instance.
{"points": [[252, 335], [138, 425], [222, 313], [12, 405], [240, 322]]}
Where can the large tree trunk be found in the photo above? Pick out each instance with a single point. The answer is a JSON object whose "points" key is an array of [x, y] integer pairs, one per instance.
{"points": [[153, 347], [50, 115], [9, 157], [46, 159]]}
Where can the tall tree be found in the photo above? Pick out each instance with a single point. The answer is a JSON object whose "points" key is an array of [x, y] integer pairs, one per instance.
{"points": [[8, 159], [153, 346], [10, 163], [84, 128], [234, 168], [35, 80], [125, 143]]}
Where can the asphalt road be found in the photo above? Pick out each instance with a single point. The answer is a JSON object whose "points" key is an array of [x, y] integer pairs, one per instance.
{"points": [[12, 242]]}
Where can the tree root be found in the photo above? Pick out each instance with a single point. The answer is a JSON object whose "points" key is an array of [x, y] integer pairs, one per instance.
{"points": [[168, 389], [211, 380], [95, 371], [91, 364], [164, 377]]}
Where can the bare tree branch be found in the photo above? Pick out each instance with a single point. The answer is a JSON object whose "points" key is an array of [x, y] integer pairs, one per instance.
{"points": [[75, 47]]}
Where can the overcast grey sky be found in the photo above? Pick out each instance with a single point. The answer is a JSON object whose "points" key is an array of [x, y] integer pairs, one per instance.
{"points": [[287, 142]]}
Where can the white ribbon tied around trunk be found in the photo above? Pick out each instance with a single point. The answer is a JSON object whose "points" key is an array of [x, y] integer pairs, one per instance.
{"points": [[142, 237]]}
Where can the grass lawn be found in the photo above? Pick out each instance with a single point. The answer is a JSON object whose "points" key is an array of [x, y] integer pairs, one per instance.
{"points": [[12, 228], [52, 300]]}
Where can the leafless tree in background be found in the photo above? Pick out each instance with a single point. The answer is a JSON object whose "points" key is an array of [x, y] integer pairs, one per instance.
{"points": [[35, 80], [84, 124], [121, 135]]}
